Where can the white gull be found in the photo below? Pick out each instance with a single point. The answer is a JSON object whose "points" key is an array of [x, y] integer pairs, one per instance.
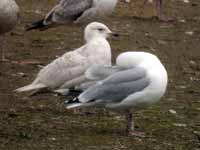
{"points": [[68, 70]]}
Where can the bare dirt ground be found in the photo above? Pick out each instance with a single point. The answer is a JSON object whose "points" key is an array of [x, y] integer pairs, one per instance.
{"points": [[42, 122]]}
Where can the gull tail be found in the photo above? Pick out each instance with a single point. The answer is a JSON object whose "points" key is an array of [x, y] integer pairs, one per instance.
{"points": [[74, 92], [30, 87], [74, 103], [38, 25]]}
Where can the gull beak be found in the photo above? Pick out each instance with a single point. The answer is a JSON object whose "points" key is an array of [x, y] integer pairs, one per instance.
{"points": [[114, 34]]}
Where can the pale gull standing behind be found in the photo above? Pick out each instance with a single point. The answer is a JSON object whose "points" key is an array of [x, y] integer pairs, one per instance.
{"points": [[75, 11], [9, 15], [68, 70], [138, 80]]}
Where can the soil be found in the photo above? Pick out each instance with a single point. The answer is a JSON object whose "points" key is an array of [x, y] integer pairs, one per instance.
{"points": [[42, 122]]}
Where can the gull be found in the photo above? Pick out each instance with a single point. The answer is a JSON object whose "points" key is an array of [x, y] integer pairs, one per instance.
{"points": [[68, 70], [138, 80], [74, 11], [9, 15]]}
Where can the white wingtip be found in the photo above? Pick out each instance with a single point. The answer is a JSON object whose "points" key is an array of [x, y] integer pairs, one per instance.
{"points": [[30, 87], [71, 106]]}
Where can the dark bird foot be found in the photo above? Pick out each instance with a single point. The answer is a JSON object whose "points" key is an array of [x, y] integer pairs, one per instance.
{"points": [[166, 19], [136, 134]]}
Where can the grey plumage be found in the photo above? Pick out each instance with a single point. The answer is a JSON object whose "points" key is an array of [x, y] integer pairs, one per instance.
{"points": [[142, 83], [97, 72], [74, 11], [67, 10], [117, 86]]}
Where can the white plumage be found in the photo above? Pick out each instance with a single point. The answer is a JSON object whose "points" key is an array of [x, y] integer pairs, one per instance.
{"points": [[68, 70]]}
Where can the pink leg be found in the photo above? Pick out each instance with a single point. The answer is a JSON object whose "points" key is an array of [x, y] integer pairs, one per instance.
{"points": [[3, 57], [159, 9], [130, 126], [2, 47], [130, 123]]}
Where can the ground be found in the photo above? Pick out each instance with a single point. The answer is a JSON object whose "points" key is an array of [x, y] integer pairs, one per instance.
{"points": [[42, 122]]}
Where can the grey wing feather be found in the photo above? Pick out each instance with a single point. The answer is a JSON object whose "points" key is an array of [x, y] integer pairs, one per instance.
{"points": [[126, 76], [96, 73], [116, 87], [99, 72], [68, 10]]}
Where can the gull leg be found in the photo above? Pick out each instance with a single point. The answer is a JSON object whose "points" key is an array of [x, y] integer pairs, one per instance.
{"points": [[130, 130], [159, 9], [2, 47], [3, 53], [130, 123]]}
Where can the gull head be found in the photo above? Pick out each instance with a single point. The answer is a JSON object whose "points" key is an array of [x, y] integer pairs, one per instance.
{"points": [[96, 30], [133, 59]]}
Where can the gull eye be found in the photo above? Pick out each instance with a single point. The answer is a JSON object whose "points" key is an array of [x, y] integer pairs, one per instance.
{"points": [[101, 29]]}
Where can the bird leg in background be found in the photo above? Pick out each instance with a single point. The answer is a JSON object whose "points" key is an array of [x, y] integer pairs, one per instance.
{"points": [[130, 123], [130, 130], [159, 9], [3, 54], [2, 48]]}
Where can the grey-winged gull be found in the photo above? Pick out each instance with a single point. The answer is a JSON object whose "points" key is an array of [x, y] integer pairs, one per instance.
{"points": [[138, 80], [9, 15], [68, 70], [75, 11]]}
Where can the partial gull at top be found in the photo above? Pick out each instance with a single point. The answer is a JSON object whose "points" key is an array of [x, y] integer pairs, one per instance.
{"points": [[74, 11], [68, 70], [138, 80], [9, 15]]}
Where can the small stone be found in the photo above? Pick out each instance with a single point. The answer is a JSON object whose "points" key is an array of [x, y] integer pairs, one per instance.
{"points": [[180, 125], [171, 99], [53, 139], [186, 1], [182, 87], [172, 111], [146, 34], [162, 42], [21, 74], [150, 1], [38, 12], [198, 109], [189, 33], [182, 20], [127, 1], [192, 62]]}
